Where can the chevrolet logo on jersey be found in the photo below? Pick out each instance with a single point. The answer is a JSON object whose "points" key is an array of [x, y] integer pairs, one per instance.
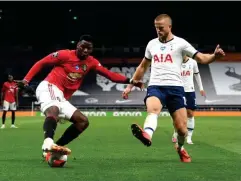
{"points": [[74, 76]]}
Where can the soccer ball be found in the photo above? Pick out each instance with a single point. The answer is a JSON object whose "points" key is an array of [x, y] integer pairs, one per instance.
{"points": [[57, 160]]}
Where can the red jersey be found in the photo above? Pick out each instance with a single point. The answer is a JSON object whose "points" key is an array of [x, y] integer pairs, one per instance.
{"points": [[9, 91], [69, 71]]}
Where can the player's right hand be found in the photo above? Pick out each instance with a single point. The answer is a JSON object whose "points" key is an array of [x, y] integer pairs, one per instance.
{"points": [[126, 92], [137, 83], [202, 92]]}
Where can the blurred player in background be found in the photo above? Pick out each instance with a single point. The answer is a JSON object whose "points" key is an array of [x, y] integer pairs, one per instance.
{"points": [[9, 100], [188, 69], [165, 55], [70, 68]]}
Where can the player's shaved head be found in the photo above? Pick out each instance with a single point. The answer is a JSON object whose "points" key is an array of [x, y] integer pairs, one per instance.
{"points": [[164, 17], [163, 25]]}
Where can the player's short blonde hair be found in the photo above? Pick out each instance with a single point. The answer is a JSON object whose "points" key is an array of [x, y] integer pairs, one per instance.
{"points": [[163, 16]]}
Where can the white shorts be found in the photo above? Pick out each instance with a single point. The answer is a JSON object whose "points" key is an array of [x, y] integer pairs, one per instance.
{"points": [[49, 95], [9, 106]]}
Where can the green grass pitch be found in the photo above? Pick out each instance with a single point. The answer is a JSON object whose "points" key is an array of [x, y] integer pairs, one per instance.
{"points": [[107, 151]]}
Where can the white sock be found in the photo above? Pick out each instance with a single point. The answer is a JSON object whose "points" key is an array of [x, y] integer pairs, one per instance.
{"points": [[48, 142], [150, 124], [174, 134], [190, 126]]}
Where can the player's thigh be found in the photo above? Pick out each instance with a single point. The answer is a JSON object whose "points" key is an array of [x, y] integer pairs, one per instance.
{"points": [[175, 99], [49, 97], [74, 115], [13, 106], [177, 108], [6, 105], [154, 99], [67, 109]]}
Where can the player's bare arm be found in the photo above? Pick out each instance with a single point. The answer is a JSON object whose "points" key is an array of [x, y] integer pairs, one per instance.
{"points": [[141, 69], [138, 75], [204, 58]]}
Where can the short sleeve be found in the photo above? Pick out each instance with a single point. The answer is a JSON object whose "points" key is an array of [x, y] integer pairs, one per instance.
{"points": [[188, 49], [148, 52], [4, 87]]}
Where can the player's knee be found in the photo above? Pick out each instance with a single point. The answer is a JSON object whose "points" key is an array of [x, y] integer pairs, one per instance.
{"points": [[80, 119], [182, 131], [153, 105], [85, 122], [52, 111], [189, 113]]}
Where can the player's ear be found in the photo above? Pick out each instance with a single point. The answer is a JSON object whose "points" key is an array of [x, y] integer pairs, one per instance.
{"points": [[78, 45]]}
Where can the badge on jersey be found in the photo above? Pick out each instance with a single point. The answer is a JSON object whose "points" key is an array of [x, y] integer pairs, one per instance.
{"points": [[84, 67], [163, 48], [76, 67], [55, 54]]}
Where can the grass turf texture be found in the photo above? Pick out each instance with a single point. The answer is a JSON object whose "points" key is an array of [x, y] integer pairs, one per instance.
{"points": [[107, 151]]}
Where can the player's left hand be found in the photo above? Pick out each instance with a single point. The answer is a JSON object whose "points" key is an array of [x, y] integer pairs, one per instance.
{"points": [[21, 83], [219, 52], [24, 86], [202, 92]]}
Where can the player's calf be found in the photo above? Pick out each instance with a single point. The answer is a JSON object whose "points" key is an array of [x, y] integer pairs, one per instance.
{"points": [[49, 127], [80, 123], [180, 122], [3, 119]]}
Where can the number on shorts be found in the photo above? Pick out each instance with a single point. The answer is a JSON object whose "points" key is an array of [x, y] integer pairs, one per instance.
{"points": [[185, 100]]}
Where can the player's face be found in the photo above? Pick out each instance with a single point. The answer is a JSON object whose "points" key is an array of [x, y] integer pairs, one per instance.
{"points": [[84, 49], [163, 27], [10, 78]]}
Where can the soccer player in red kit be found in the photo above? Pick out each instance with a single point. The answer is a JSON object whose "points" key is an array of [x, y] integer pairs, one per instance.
{"points": [[70, 67], [9, 100]]}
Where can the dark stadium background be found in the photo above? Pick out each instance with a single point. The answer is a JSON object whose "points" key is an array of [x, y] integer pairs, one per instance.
{"points": [[121, 30]]}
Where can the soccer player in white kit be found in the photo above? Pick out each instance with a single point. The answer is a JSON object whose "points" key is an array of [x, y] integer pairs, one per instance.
{"points": [[165, 55], [188, 69]]}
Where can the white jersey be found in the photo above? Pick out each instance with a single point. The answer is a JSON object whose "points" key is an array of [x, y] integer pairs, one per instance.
{"points": [[189, 68], [166, 60]]}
